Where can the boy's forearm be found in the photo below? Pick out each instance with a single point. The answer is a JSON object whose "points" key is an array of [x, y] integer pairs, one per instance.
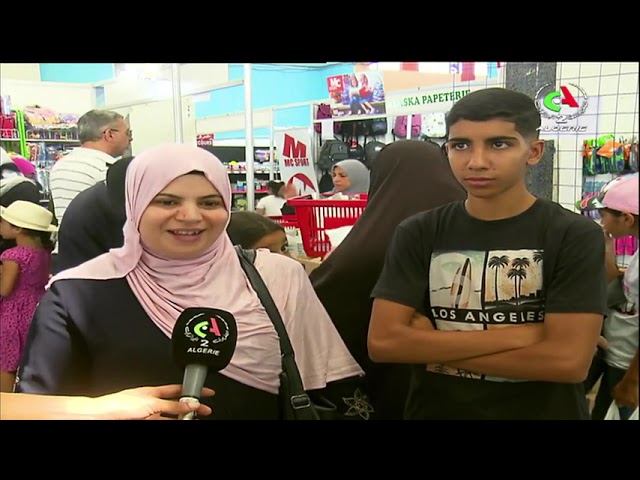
{"points": [[544, 361], [426, 345]]}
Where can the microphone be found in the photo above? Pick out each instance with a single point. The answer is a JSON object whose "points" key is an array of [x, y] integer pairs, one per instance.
{"points": [[202, 339]]}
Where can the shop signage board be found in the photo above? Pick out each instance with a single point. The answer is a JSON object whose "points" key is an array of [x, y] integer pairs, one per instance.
{"points": [[205, 139], [437, 98], [296, 160], [360, 93]]}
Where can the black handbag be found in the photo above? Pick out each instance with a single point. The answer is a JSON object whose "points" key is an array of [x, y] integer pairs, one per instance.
{"points": [[295, 402]]}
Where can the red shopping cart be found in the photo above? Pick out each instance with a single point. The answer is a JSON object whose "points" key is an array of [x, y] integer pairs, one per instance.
{"points": [[314, 217]]}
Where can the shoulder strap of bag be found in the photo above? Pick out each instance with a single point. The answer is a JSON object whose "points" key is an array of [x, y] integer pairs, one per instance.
{"points": [[299, 399]]}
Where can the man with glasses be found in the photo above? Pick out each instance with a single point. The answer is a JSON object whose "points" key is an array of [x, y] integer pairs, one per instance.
{"points": [[104, 136]]}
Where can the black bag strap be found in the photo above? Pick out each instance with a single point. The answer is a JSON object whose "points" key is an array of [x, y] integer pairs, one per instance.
{"points": [[299, 399]]}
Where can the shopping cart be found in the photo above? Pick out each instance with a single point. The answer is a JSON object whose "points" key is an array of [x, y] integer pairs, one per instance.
{"points": [[287, 221], [316, 216]]}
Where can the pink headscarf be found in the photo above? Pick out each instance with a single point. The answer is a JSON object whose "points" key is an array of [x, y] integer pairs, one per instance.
{"points": [[26, 167], [164, 286]]}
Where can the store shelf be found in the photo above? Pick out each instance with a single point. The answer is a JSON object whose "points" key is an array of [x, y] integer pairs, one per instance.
{"points": [[9, 135], [242, 192], [51, 140]]}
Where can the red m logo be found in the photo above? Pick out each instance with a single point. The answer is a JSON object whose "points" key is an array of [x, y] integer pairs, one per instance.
{"points": [[293, 149]]}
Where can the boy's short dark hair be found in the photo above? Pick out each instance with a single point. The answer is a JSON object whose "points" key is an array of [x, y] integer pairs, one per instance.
{"points": [[498, 103]]}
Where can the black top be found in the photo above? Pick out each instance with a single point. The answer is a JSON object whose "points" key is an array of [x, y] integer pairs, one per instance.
{"points": [[465, 273], [92, 337], [92, 226]]}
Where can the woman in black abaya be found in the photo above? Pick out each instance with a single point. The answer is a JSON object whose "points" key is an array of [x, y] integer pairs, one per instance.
{"points": [[408, 177]]}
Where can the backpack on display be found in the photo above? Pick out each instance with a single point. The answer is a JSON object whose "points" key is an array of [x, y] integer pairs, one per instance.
{"points": [[324, 112], [332, 152], [371, 150], [400, 126], [356, 151], [433, 125], [373, 127], [350, 133]]}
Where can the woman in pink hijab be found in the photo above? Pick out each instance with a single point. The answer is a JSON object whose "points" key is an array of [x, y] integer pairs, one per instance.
{"points": [[106, 325]]}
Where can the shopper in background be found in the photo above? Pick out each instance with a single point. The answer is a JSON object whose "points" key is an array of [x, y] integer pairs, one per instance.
{"points": [[104, 136], [25, 273], [142, 403], [513, 285], [251, 230], [94, 219], [350, 177], [14, 186], [617, 365], [271, 204], [27, 168], [408, 177], [93, 337]]}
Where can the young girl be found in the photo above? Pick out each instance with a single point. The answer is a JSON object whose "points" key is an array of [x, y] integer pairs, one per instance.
{"points": [[24, 275]]}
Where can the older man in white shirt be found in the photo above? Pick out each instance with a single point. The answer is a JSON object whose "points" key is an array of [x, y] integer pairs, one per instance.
{"points": [[104, 136]]}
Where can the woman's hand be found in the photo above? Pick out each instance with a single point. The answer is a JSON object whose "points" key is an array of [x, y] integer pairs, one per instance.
{"points": [[145, 403]]}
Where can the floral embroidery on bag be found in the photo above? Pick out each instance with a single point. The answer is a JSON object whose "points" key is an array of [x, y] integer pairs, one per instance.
{"points": [[358, 405]]}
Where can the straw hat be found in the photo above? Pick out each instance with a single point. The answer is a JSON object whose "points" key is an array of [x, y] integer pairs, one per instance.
{"points": [[28, 215]]}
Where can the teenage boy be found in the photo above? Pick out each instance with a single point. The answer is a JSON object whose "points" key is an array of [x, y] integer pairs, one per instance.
{"points": [[618, 363], [513, 286]]}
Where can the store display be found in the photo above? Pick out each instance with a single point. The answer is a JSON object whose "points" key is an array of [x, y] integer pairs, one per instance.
{"points": [[42, 136]]}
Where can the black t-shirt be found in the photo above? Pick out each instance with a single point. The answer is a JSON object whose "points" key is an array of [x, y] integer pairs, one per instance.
{"points": [[92, 337], [92, 226], [469, 274]]}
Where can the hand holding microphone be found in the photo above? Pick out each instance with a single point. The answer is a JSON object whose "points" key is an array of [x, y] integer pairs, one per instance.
{"points": [[203, 339]]}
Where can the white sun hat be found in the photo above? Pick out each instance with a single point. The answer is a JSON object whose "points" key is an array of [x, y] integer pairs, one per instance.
{"points": [[28, 215]]}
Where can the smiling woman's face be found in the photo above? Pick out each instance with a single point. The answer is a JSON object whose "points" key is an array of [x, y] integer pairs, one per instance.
{"points": [[184, 219]]}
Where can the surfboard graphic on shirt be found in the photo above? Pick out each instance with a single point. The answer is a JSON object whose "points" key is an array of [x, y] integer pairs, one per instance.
{"points": [[478, 290], [461, 286]]}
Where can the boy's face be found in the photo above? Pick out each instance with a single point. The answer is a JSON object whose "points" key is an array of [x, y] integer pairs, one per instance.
{"points": [[490, 157]]}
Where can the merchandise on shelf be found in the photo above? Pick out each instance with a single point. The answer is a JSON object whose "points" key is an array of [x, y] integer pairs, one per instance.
{"points": [[43, 123], [9, 126], [258, 167]]}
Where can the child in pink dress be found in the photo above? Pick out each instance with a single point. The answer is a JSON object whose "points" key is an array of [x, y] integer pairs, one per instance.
{"points": [[23, 277]]}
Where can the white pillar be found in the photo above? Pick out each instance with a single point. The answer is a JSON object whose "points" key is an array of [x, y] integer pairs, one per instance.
{"points": [[177, 101], [249, 154], [272, 163]]}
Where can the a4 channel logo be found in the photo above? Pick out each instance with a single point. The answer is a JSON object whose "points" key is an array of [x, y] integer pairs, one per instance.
{"points": [[561, 106], [206, 330]]}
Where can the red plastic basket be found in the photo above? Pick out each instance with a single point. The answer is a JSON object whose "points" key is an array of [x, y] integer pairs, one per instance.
{"points": [[316, 216]]}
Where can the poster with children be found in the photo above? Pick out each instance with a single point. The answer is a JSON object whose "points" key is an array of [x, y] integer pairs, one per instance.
{"points": [[359, 93]]}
